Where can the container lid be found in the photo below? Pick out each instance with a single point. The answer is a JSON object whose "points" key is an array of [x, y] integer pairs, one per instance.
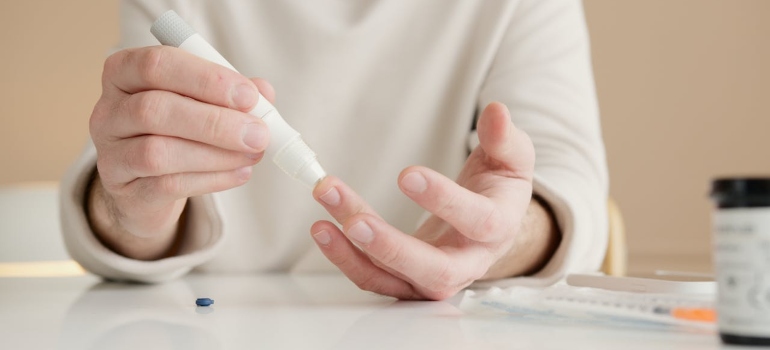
{"points": [[740, 187]]}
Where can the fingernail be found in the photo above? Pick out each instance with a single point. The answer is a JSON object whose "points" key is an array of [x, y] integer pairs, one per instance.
{"points": [[322, 237], [244, 173], [254, 156], [243, 96], [331, 197], [361, 232], [254, 136], [414, 182]]}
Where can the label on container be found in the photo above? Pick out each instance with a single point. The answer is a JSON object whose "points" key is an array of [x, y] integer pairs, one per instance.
{"points": [[742, 261]]}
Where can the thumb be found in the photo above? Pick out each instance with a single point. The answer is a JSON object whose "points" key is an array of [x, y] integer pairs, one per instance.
{"points": [[507, 146]]}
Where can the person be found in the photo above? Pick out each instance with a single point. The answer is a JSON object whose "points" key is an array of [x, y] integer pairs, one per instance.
{"points": [[463, 138]]}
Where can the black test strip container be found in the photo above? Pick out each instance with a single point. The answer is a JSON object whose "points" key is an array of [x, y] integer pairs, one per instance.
{"points": [[741, 226]]}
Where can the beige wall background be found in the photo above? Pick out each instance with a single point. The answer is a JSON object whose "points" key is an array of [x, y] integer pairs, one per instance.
{"points": [[50, 71], [684, 89]]}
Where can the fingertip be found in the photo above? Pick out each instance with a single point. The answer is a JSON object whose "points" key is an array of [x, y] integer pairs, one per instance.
{"points": [[494, 122], [408, 170], [353, 220], [324, 225], [413, 182], [243, 174], [324, 186], [255, 135], [265, 89], [324, 233], [503, 141], [243, 96], [254, 158], [322, 237], [500, 107], [317, 226]]}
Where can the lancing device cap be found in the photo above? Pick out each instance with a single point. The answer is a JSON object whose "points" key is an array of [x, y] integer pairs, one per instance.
{"points": [[171, 30], [311, 175]]}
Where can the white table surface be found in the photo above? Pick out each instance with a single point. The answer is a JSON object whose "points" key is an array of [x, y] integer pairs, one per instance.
{"points": [[251, 311], [279, 312]]}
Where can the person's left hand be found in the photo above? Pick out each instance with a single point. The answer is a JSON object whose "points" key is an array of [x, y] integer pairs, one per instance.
{"points": [[473, 226]]}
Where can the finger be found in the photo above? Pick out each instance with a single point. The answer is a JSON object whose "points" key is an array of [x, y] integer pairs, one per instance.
{"points": [[356, 265], [166, 113], [438, 273], [340, 200], [342, 203], [265, 89], [163, 189], [474, 215], [172, 69], [503, 142], [152, 155]]}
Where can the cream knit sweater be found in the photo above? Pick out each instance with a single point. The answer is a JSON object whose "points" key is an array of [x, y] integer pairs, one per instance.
{"points": [[375, 86]]}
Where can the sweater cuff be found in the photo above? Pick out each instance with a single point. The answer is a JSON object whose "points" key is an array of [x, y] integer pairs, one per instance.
{"points": [[580, 213], [584, 237], [202, 239]]}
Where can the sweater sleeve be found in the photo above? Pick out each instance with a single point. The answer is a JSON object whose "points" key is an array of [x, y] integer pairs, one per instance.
{"points": [[203, 235], [542, 72]]}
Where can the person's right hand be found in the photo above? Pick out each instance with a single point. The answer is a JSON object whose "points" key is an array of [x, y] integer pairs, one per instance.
{"points": [[168, 126]]}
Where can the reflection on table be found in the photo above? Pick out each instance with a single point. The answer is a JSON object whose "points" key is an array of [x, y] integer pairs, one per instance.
{"points": [[277, 312]]}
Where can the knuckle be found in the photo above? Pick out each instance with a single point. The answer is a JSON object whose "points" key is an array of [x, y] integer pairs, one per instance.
{"points": [[393, 257], [108, 181], [150, 64], [171, 185], [112, 187], [443, 281], [214, 125], [115, 189], [112, 65], [339, 260], [105, 171], [146, 109], [344, 262], [354, 212], [152, 157], [97, 120], [447, 204], [222, 182]]}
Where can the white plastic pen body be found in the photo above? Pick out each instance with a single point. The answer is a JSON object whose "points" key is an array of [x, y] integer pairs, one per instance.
{"points": [[286, 149]]}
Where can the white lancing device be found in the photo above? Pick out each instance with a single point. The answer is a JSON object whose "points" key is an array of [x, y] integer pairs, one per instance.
{"points": [[286, 148]]}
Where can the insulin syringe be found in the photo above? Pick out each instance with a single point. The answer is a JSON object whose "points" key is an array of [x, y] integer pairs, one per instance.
{"points": [[286, 149]]}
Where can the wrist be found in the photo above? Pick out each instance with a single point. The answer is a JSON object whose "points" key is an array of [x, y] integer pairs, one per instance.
{"points": [[133, 234], [543, 223], [533, 245]]}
